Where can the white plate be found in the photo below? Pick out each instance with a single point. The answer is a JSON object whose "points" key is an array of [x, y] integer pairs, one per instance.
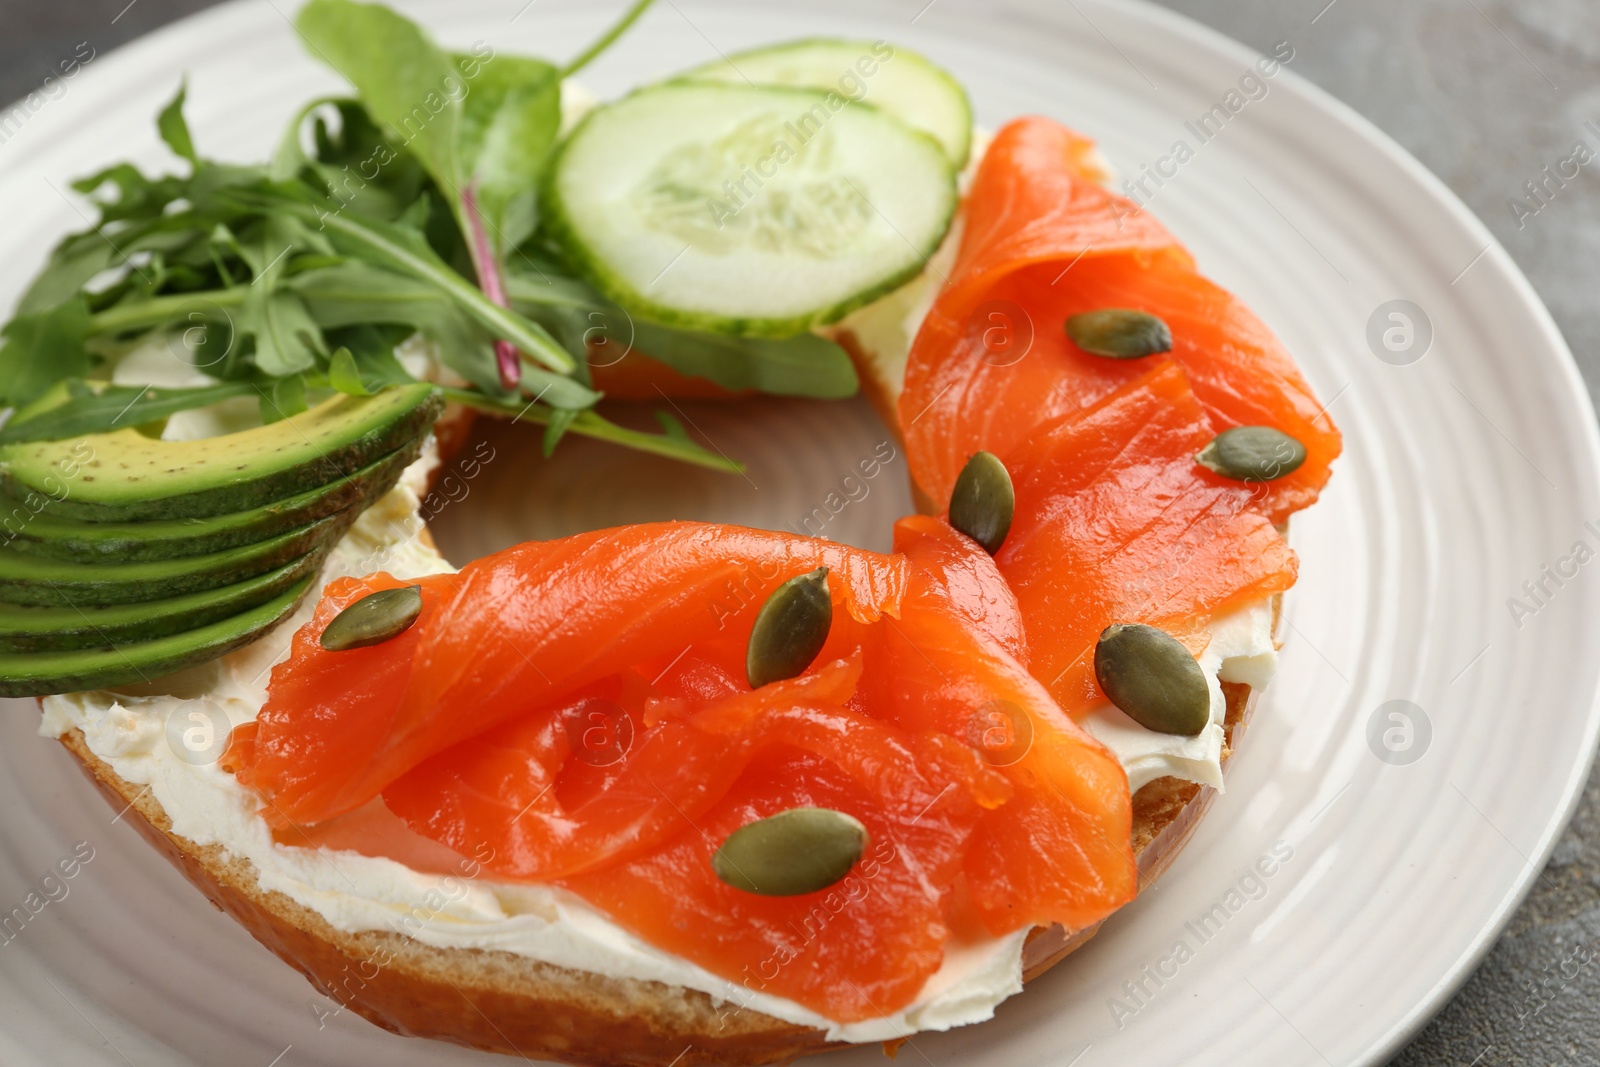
{"points": [[1465, 473]]}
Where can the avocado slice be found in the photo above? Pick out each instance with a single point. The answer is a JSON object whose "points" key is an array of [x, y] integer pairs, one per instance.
{"points": [[125, 476], [27, 674], [31, 580], [36, 629], [49, 535]]}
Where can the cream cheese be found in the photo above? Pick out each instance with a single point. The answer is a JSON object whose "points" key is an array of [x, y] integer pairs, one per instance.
{"points": [[1241, 649]]}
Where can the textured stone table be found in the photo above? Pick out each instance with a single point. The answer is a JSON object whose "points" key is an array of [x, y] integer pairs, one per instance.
{"points": [[1487, 93]]}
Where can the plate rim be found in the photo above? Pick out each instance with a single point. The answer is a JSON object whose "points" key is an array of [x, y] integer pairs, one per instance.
{"points": [[1518, 291]]}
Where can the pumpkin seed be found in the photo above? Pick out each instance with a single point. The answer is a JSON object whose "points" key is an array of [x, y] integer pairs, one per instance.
{"points": [[1119, 333], [983, 501], [791, 628], [373, 619], [1252, 454], [1153, 679], [802, 850]]}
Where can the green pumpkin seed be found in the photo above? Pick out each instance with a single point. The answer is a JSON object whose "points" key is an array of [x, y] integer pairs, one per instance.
{"points": [[1119, 333], [791, 628], [982, 503], [374, 619], [803, 850], [1252, 454], [1153, 679]]}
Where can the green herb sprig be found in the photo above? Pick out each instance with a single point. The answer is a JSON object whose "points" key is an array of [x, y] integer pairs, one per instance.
{"points": [[411, 208]]}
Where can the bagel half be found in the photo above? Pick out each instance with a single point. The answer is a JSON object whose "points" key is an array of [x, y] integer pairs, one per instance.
{"points": [[501, 1002]]}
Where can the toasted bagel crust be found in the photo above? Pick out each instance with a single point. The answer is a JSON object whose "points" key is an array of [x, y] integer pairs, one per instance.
{"points": [[500, 1002]]}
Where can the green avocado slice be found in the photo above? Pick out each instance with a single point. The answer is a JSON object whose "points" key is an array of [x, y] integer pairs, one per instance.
{"points": [[39, 629], [25, 674], [125, 476], [56, 537], [31, 580]]}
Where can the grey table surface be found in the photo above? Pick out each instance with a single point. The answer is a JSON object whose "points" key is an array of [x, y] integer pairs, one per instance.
{"points": [[1487, 94]]}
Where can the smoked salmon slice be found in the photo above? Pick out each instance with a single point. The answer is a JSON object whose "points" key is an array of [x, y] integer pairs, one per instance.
{"points": [[861, 949], [1059, 851], [898, 735], [508, 634], [1115, 523], [505, 789], [1043, 241]]}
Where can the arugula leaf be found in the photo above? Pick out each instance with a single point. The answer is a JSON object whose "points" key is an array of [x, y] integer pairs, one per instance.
{"points": [[673, 445], [558, 391], [345, 376], [174, 128], [75, 261], [136, 217], [81, 257], [805, 365], [42, 348], [170, 309], [672, 426], [509, 123], [353, 159], [514, 122], [137, 197], [540, 280], [372, 349], [485, 145], [281, 398], [290, 157], [608, 38], [287, 337], [97, 407], [354, 292], [405, 81], [399, 249], [554, 430]]}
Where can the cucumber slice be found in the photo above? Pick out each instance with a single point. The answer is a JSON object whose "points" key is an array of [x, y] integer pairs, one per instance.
{"points": [[748, 210], [908, 86]]}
